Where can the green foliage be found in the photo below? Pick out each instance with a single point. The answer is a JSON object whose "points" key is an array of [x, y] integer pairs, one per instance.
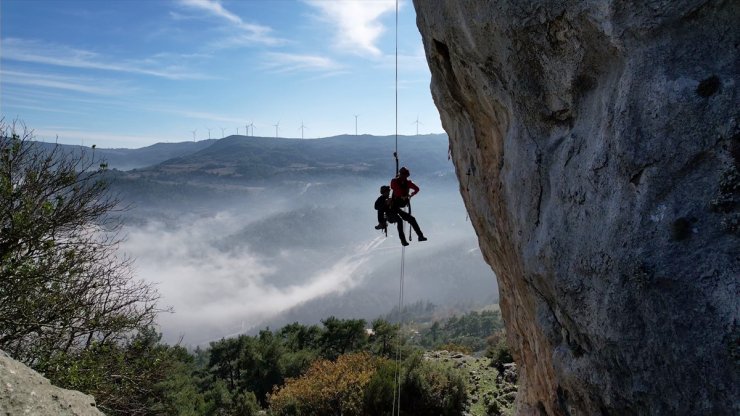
{"points": [[432, 389], [139, 377], [361, 384], [297, 337], [327, 388], [342, 336], [296, 363], [384, 338], [220, 401], [262, 363], [498, 350], [381, 390], [465, 333], [62, 285], [464, 349], [248, 363]]}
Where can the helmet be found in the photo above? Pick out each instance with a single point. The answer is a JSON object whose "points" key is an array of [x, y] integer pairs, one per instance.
{"points": [[404, 171]]}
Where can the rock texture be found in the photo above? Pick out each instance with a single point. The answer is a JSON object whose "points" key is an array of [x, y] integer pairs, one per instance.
{"points": [[597, 147], [25, 392]]}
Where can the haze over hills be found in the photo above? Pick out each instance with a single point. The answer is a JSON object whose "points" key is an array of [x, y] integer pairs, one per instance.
{"points": [[127, 159], [242, 158], [247, 232]]}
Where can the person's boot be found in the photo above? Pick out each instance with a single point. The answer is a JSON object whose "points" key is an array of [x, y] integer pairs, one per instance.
{"points": [[404, 242], [417, 230]]}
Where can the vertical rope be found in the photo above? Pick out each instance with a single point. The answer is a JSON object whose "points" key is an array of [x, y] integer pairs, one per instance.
{"points": [[396, 409], [397, 391], [395, 153]]}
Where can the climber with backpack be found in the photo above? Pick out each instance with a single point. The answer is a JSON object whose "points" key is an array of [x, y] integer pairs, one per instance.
{"points": [[383, 205], [401, 186]]}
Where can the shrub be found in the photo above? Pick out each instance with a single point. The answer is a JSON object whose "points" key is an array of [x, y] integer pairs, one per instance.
{"points": [[432, 389], [455, 348], [498, 351], [327, 388], [380, 391]]}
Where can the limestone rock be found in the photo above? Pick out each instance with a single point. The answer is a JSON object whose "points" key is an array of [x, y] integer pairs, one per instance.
{"points": [[597, 147], [25, 392]]}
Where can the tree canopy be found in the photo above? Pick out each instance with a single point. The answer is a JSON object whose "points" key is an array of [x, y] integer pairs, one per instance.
{"points": [[63, 285]]}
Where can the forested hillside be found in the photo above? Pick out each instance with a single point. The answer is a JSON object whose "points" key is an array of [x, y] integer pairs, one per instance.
{"points": [[339, 367]]}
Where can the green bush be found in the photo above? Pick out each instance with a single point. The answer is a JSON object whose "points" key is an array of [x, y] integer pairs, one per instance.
{"points": [[327, 388], [432, 389], [498, 350], [380, 390], [140, 376]]}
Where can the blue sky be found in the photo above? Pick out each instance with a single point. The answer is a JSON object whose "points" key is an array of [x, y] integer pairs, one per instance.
{"points": [[130, 73]]}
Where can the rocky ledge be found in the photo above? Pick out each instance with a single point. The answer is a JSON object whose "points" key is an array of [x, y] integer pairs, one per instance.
{"points": [[25, 392]]}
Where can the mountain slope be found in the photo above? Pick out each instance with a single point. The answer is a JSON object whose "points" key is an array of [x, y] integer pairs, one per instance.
{"points": [[240, 158]]}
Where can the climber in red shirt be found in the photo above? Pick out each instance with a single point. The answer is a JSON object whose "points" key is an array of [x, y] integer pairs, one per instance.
{"points": [[401, 185]]}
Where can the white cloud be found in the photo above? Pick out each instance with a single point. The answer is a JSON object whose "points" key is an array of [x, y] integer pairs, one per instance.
{"points": [[289, 62], [249, 33], [42, 109], [357, 22], [76, 84], [23, 50]]}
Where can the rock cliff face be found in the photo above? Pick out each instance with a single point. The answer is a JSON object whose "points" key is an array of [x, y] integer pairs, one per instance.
{"points": [[597, 146], [25, 392]]}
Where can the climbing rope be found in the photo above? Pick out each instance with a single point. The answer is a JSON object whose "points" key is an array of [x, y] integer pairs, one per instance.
{"points": [[396, 409], [397, 392]]}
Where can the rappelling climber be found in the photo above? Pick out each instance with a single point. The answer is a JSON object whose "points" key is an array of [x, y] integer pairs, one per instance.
{"points": [[382, 205], [401, 185]]}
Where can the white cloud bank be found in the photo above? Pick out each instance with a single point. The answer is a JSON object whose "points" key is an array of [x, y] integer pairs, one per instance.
{"points": [[357, 22], [214, 293]]}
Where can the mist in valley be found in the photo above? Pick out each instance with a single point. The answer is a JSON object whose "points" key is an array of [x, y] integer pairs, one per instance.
{"points": [[234, 256]]}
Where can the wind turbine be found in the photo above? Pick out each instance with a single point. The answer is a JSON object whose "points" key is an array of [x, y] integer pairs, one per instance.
{"points": [[276, 128], [209, 133], [246, 126], [252, 126], [237, 131], [223, 132], [417, 122], [356, 115], [194, 133], [301, 128]]}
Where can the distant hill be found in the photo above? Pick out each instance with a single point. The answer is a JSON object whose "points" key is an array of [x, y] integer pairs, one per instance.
{"points": [[242, 158], [245, 159], [126, 159], [238, 166]]}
